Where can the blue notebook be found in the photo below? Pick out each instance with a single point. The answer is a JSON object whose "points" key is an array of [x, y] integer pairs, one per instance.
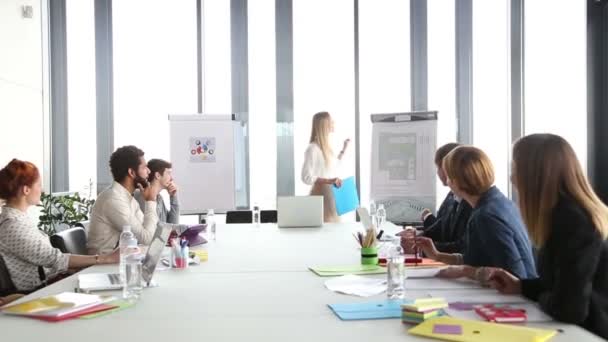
{"points": [[346, 196], [368, 310]]}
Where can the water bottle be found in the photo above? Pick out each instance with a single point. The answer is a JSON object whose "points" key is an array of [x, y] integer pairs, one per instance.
{"points": [[372, 211], [123, 244], [211, 225], [133, 273], [380, 216], [395, 265], [256, 215]]}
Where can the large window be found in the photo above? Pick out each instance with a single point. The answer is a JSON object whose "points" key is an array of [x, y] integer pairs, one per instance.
{"points": [[442, 73], [491, 84], [21, 91], [82, 151], [217, 86], [384, 57], [323, 57], [262, 103], [555, 67], [154, 71]]}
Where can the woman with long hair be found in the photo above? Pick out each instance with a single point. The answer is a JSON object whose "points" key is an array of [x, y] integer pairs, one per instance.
{"points": [[320, 163], [29, 257], [568, 224], [495, 233]]}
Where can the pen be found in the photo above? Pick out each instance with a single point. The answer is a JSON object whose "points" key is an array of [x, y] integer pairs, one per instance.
{"points": [[380, 234]]}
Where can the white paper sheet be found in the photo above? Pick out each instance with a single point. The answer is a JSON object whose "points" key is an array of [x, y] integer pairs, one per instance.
{"points": [[356, 285]]}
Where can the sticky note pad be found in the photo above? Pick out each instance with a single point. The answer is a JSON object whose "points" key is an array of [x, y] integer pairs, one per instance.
{"points": [[448, 329]]}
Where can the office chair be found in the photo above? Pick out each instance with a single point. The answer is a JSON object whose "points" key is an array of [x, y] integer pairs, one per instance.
{"points": [[268, 216], [6, 283], [239, 216], [72, 241]]}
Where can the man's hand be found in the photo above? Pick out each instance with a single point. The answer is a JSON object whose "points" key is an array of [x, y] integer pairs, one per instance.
{"points": [[149, 193], [425, 213], [172, 189]]}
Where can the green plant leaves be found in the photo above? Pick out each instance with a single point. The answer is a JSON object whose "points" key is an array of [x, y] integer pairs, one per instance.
{"points": [[69, 209]]}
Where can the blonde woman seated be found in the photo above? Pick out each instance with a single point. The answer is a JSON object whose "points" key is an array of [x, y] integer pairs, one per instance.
{"points": [[569, 225], [29, 257], [495, 235]]}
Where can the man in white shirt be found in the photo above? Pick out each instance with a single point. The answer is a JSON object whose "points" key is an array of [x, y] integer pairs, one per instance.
{"points": [[115, 207]]}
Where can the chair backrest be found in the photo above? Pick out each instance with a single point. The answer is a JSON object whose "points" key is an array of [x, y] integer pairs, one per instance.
{"points": [[72, 240], [268, 216], [239, 216], [6, 283]]}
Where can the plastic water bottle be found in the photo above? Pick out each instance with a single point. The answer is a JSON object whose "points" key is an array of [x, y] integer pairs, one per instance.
{"points": [[395, 288], [372, 211], [256, 215], [211, 225], [123, 243], [380, 216]]}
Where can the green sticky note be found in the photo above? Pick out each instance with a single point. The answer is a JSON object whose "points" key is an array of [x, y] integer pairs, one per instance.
{"points": [[333, 271], [121, 305]]}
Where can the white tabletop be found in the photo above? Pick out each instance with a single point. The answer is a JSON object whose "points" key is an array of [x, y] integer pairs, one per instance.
{"points": [[255, 287]]}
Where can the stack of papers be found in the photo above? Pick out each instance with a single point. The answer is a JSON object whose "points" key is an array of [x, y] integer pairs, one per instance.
{"points": [[334, 271], [356, 285], [422, 309], [60, 307]]}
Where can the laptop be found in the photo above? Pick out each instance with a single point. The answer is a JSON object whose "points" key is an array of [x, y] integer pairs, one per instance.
{"points": [[300, 211], [111, 281]]}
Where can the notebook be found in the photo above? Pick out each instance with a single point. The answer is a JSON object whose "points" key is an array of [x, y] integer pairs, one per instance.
{"points": [[60, 307], [334, 271], [474, 331], [501, 314], [346, 196], [368, 310]]}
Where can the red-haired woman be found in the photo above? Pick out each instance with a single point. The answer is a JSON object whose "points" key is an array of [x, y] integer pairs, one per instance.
{"points": [[27, 253]]}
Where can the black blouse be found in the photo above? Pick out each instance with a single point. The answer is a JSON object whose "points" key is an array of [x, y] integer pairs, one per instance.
{"points": [[573, 270]]}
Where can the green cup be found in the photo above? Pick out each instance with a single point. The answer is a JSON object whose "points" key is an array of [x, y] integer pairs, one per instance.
{"points": [[369, 256]]}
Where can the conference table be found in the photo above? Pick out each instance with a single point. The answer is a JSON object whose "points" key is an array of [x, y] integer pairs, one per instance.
{"points": [[255, 286]]}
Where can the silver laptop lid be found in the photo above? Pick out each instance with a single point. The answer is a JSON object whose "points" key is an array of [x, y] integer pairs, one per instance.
{"points": [[300, 211], [155, 250]]}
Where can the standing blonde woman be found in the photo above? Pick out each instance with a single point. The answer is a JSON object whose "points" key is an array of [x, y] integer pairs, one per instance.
{"points": [[569, 225], [320, 164]]}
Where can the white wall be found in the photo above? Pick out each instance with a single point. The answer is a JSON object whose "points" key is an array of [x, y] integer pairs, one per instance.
{"points": [[21, 105]]}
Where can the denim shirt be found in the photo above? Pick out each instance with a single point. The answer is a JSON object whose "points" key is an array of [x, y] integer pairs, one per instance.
{"points": [[497, 237]]}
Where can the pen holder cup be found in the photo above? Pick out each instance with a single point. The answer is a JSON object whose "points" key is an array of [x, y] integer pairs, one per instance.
{"points": [[180, 259], [369, 256]]}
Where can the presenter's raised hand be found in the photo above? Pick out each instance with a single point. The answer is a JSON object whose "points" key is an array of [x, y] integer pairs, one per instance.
{"points": [[346, 142]]}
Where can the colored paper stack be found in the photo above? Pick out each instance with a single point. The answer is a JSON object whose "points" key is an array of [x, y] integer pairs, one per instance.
{"points": [[422, 309]]}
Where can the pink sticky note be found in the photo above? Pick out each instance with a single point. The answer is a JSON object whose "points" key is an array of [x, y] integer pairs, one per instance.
{"points": [[449, 329]]}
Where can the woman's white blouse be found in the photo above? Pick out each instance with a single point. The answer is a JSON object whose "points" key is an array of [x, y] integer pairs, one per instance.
{"points": [[315, 166], [23, 248]]}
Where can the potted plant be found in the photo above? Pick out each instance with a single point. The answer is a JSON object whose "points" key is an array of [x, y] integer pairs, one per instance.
{"points": [[61, 211]]}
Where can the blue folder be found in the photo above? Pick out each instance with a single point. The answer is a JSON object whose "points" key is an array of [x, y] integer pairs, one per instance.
{"points": [[346, 196], [368, 310]]}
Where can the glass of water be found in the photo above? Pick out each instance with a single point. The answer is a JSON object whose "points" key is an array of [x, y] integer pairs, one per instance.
{"points": [[133, 287]]}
